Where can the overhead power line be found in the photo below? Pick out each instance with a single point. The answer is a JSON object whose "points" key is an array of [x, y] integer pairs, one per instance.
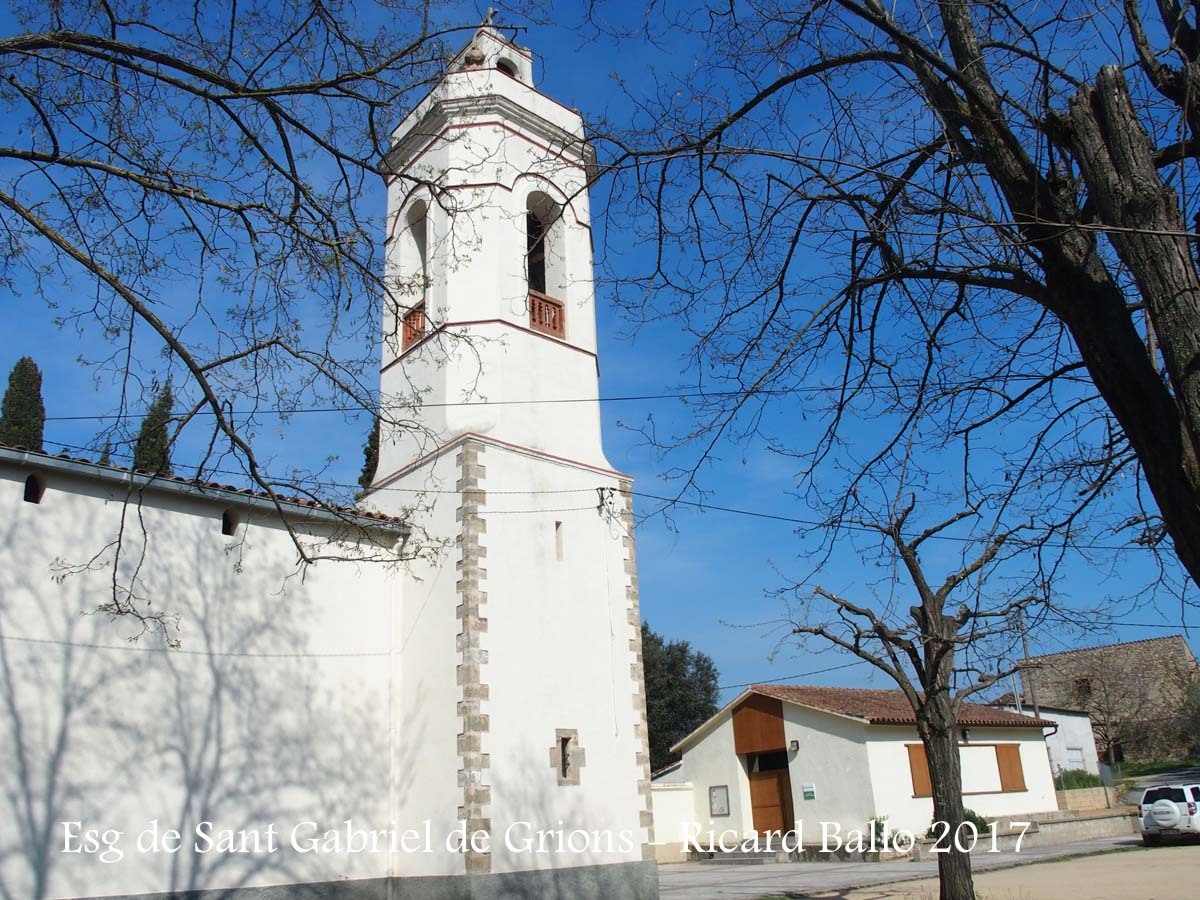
{"points": [[248, 654], [699, 505], [862, 662], [857, 662], [616, 398], [624, 398], [349, 654]]}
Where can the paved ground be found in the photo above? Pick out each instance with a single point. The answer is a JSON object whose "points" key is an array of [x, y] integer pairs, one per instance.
{"points": [[698, 881], [1187, 775], [1175, 776], [1163, 873]]}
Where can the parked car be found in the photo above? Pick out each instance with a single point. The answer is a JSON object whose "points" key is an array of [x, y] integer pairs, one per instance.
{"points": [[1169, 810]]}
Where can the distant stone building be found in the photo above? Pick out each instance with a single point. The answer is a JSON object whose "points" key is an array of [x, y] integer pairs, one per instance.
{"points": [[1133, 692]]}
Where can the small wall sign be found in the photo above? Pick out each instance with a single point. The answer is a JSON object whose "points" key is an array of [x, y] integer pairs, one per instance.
{"points": [[810, 791], [718, 800]]}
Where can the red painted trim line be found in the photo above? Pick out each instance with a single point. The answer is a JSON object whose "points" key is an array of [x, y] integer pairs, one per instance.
{"points": [[567, 200], [496, 124], [546, 337], [473, 435]]}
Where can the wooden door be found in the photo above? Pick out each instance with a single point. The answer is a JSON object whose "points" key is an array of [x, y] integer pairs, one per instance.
{"points": [[771, 801]]}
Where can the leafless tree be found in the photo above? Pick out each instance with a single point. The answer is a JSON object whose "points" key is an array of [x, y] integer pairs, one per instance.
{"points": [[942, 247], [1190, 725], [940, 620], [1117, 703], [185, 183], [967, 220]]}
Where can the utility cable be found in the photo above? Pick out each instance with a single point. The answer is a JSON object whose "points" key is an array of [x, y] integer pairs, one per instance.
{"points": [[700, 505]]}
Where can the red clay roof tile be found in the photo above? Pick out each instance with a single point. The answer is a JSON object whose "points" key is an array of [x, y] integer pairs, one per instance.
{"points": [[881, 707]]}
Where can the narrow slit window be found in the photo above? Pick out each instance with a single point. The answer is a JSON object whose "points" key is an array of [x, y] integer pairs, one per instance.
{"points": [[567, 758], [229, 523], [558, 541], [1081, 689], [34, 489]]}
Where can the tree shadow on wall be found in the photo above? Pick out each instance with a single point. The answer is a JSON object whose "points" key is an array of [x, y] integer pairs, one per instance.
{"points": [[248, 725]]}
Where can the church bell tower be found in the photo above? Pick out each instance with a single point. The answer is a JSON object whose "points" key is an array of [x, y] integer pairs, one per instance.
{"points": [[520, 713], [489, 264]]}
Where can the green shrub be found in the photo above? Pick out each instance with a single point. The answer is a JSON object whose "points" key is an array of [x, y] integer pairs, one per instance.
{"points": [[877, 828], [982, 826], [1070, 779], [1134, 769]]}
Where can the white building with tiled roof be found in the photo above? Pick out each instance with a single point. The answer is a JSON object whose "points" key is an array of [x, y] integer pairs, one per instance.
{"points": [[1071, 745], [467, 721], [787, 757]]}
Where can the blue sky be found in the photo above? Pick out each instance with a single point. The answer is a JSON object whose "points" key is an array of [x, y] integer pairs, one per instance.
{"points": [[706, 576]]}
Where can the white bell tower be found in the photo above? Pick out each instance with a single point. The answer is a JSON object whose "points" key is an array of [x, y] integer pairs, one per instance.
{"points": [[518, 710], [490, 262]]}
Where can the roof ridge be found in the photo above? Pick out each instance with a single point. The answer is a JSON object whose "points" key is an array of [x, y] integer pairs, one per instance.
{"points": [[1149, 640], [824, 687], [886, 706]]}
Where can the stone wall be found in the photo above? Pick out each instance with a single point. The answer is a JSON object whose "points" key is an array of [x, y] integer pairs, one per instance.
{"points": [[1087, 798], [1132, 691]]}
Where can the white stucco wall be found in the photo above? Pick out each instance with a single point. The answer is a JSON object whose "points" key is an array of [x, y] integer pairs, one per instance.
{"points": [[710, 762], [1074, 732], [892, 779], [858, 772], [559, 657], [425, 745], [674, 809], [833, 758], [275, 711]]}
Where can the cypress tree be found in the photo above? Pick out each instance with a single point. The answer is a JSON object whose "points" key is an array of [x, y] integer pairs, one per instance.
{"points": [[22, 414], [370, 458], [153, 450]]}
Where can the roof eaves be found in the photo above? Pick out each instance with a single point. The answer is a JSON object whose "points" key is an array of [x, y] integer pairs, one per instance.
{"points": [[206, 491], [708, 724]]}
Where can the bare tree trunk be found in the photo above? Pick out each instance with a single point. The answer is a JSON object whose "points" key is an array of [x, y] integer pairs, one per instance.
{"points": [[1143, 222], [1149, 235], [939, 734]]}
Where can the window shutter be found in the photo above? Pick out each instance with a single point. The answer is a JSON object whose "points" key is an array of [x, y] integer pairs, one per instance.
{"points": [[1008, 759], [919, 766]]}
